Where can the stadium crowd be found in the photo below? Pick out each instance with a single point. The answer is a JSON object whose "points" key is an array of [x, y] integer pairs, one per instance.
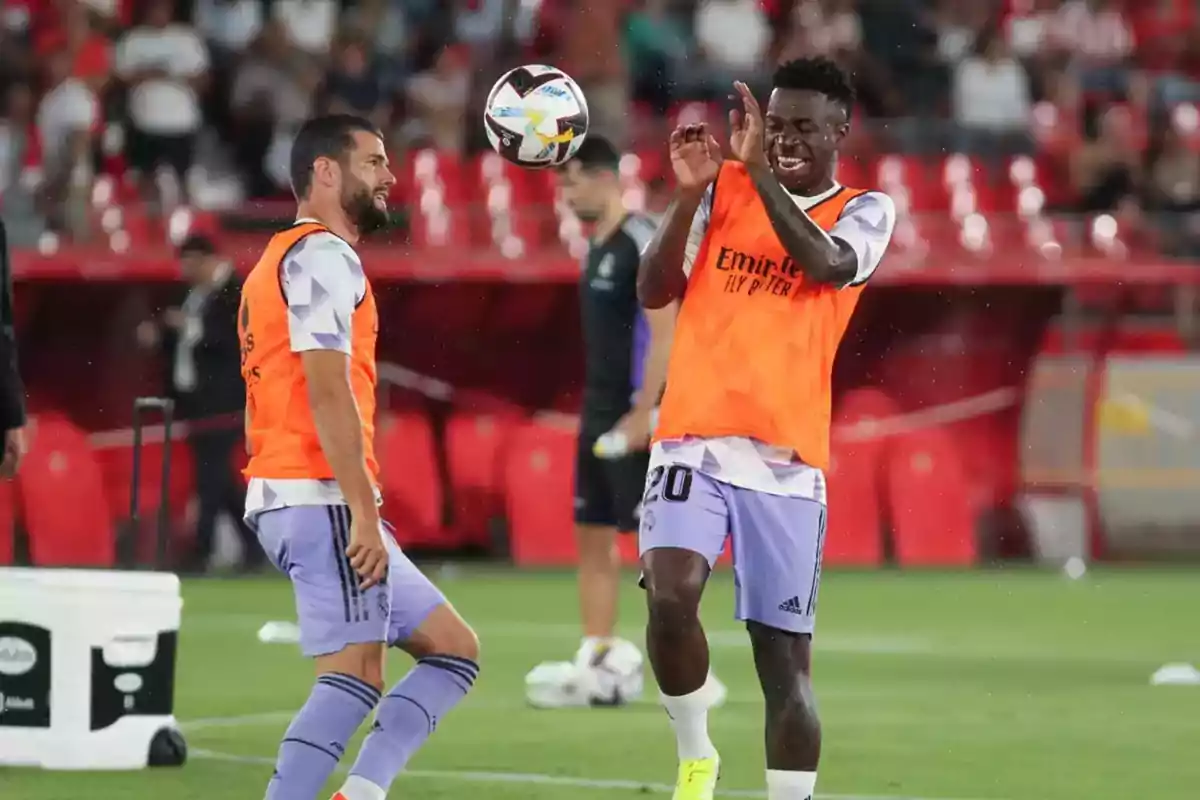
{"points": [[210, 91]]}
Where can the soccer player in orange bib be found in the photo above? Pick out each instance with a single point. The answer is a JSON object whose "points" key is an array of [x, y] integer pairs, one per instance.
{"points": [[308, 325], [769, 255]]}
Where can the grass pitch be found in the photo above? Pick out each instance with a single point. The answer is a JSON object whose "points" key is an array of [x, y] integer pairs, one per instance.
{"points": [[1002, 685]]}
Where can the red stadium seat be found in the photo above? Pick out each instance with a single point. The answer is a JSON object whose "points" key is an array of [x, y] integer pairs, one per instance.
{"points": [[411, 481], [540, 488], [929, 502], [116, 468], [8, 521], [64, 505], [855, 500], [475, 448]]}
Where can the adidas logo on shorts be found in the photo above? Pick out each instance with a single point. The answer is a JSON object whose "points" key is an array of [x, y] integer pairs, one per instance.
{"points": [[792, 606]]}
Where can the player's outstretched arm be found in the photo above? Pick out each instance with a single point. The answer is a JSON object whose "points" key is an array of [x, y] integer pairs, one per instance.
{"points": [[696, 162], [661, 276]]}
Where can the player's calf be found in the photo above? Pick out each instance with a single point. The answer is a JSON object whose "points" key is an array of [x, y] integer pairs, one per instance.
{"points": [[347, 690], [447, 654], [674, 582], [793, 729]]}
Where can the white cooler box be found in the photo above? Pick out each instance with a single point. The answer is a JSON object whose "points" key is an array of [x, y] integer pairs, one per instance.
{"points": [[87, 669]]}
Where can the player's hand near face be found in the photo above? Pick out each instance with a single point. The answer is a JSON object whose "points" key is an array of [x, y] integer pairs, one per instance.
{"points": [[695, 157], [367, 551], [747, 140]]}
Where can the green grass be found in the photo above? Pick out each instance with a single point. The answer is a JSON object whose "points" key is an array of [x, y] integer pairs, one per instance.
{"points": [[1010, 685]]}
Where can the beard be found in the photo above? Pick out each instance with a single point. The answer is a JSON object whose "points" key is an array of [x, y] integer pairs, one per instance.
{"points": [[588, 215], [360, 207]]}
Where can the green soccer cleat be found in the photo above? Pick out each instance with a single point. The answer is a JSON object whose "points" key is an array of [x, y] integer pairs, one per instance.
{"points": [[697, 779]]}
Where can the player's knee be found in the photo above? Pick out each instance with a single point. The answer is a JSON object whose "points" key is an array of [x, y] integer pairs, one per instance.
{"points": [[461, 642], [673, 604], [362, 661], [444, 633]]}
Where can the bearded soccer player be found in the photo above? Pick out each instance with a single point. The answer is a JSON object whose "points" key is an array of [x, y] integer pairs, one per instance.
{"points": [[773, 254], [625, 367], [308, 325]]}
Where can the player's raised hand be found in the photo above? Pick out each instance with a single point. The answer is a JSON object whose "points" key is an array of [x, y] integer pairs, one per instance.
{"points": [[695, 157], [747, 129], [367, 551]]}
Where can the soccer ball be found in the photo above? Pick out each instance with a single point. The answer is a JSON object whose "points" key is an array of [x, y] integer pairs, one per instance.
{"points": [[536, 116], [614, 676]]}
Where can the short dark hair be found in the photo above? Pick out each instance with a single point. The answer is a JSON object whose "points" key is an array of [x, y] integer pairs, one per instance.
{"points": [[197, 244], [597, 153], [329, 136], [817, 74]]}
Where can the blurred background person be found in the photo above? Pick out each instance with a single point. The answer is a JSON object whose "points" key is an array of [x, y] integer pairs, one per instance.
{"points": [[12, 390], [198, 340]]}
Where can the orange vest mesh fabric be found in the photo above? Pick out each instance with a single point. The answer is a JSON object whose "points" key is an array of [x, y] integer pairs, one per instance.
{"points": [[755, 342], [280, 431]]}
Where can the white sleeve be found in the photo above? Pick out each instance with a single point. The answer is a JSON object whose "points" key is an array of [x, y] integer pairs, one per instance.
{"points": [[866, 224], [192, 57], [125, 57], [698, 231], [323, 282]]}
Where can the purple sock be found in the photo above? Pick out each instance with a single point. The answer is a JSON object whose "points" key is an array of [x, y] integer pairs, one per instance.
{"points": [[317, 737], [409, 713]]}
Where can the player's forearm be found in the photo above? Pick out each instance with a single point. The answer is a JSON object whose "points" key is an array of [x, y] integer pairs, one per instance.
{"points": [[656, 360], [340, 431], [819, 257], [661, 278]]}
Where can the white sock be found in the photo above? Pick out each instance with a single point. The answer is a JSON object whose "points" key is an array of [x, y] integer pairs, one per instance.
{"points": [[689, 718], [356, 788], [785, 785], [589, 646]]}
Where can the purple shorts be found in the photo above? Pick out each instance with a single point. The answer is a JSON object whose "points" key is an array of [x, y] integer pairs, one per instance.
{"points": [[777, 541], [308, 544]]}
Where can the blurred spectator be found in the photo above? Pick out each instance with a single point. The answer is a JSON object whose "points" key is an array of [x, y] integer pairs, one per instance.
{"points": [[199, 342], [958, 24], [733, 36], [437, 100], [991, 99], [489, 26], [1096, 39], [353, 84], [229, 26], [1104, 169], [310, 24], [16, 118], [165, 65], [829, 28], [67, 118], [657, 45], [1027, 26], [384, 24], [89, 52], [591, 53], [18, 148], [271, 96], [1173, 192]]}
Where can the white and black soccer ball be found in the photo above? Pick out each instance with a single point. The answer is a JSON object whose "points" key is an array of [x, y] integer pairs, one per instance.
{"points": [[536, 116]]}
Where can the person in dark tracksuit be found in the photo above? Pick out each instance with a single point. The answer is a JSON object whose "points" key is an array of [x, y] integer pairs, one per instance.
{"points": [[12, 390], [625, 355], [202, 355]]}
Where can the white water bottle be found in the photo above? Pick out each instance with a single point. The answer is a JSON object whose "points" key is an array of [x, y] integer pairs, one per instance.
{"points": [[611, 445]]}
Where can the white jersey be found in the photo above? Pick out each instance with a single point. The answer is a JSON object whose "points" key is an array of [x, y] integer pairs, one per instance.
{"points": [[866, 225], [323, 282]]}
